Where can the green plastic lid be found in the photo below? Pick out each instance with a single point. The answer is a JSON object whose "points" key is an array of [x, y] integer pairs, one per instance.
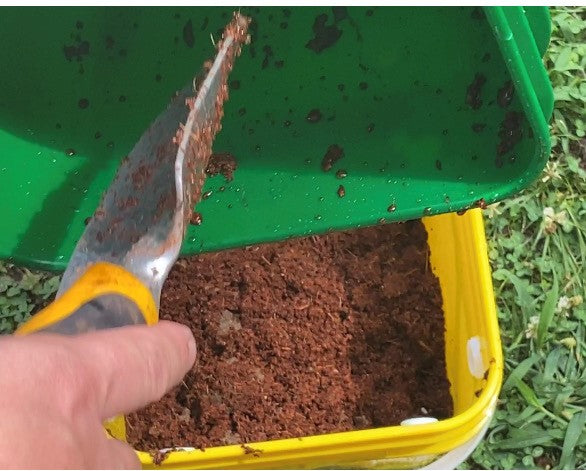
{"points": [[433, 109]]}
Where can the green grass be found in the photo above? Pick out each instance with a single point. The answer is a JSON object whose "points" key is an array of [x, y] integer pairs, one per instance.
{"points": [[22, 292], [537, 246]]}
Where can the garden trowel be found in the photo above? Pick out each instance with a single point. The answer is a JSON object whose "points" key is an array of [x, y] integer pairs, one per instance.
{"points": [[115, 275]]}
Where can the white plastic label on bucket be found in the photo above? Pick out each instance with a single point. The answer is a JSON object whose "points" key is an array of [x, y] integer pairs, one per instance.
{"points": [[419, 421], [475, 361]]}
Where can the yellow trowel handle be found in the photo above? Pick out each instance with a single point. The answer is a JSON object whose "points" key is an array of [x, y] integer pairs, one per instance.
{"points": [[104, 297]]}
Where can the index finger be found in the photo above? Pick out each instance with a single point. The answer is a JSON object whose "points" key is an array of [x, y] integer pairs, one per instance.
{"points": [[130, 367]]}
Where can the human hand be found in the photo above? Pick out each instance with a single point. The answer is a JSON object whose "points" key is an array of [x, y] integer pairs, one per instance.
{"points": [[56, 392]]}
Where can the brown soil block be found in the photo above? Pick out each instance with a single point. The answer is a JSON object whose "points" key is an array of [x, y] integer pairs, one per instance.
{"points": [[308, 336]]}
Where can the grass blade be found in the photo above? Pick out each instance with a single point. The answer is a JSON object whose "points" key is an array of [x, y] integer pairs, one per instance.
{"points": [[547, 312], [515, 444], [520, 371], [573, 432], [527, 393], [531, 398], [552, 365]]}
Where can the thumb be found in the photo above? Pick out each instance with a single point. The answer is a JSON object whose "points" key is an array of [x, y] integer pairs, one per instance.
{"points": [[130, 367]]}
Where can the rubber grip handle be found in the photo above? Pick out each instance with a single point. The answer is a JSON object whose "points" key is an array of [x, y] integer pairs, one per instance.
{"points": [[104, 297]]}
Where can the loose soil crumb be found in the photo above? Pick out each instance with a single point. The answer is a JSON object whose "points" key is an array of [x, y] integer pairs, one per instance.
{"points": [[505, 94], [224, 163], [196, 219], [324, 36], [188, 37], [474, 91], [314, 115], [510, 132], [332, 155], [309, 336]]}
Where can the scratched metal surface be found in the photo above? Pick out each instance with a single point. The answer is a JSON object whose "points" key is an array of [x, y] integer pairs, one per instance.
{"points": [[142, 218]]}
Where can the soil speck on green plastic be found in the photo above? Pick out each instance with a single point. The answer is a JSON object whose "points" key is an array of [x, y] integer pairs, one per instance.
{"points": [[340, 13], [70, 152], [363, 85], [486, 57], [268, 50], [481, 203], [196, 219], [97, 135], [478, 127], [235, 84], [477, 13], [188, 37], [438, 164], [83, 103], [341, 173], [505, 94], [332, 155], [325, 36], [370, 127], [314, 115], [222, 163], [76, 51], [474, 91], [511, 132], [341, 191]]}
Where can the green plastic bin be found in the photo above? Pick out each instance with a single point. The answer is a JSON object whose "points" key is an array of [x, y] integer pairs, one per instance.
{"points": [[417, 98]]}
